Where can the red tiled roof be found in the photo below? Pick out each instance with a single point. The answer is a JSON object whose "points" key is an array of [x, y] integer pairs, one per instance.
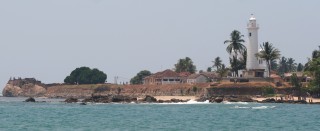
{"points": [[165, 73]]}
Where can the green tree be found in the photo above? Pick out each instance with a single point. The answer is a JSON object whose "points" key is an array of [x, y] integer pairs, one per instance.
{"points": [[138, 79], [185, 65], [300, 67], [268, 53], [235, 43], [283, 67], [223, 71], [312, 68], [292, 66], [217, 63], [274, 65], [296, 84], [85, 75], [209, 69], [235, 65], [243, 60]]}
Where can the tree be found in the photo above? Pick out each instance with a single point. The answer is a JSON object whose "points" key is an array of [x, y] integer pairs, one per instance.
{"points": [[292, 66], [138, 79], [223, 71], [268, 53], [185, 65], [312, 68], [217, 63], [235, 43], [300, 67], [283, 67], [274, 65], [297, 85], [243, 61], [85, 75], [209, 69], [235, 65]]}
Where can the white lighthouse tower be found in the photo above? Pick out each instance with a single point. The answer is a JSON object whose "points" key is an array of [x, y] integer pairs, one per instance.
{"points": [[252, 44]]}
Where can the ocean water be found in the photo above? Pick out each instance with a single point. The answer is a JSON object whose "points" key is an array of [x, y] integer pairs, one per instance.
{"points": [[199, 116]]}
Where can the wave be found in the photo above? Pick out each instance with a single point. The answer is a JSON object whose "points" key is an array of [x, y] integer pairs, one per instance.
{"points": [[188, 102], [255, 108], [242, 103]]}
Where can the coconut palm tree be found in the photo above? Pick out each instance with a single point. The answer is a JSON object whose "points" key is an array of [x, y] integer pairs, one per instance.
{"points": [[235, 43], [292, 66], [217, 63], [235, 65], [223, 71], [268, 53]]}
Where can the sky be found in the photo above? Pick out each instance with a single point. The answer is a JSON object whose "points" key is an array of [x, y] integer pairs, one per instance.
{"points": [[46, 40]]}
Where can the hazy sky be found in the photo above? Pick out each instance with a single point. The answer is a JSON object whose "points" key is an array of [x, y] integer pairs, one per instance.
{"points": [[48, 39]]}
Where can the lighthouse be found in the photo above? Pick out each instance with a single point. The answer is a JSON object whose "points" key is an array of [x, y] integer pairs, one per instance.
{"points": [[256, 67], [252, 44]]}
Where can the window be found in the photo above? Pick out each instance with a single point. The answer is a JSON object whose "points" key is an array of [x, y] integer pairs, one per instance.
{"points": [[250, 34]]}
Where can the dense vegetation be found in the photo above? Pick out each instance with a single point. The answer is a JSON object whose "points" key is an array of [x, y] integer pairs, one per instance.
{"points": [[138, 79], [185, 65], [85, 75]]}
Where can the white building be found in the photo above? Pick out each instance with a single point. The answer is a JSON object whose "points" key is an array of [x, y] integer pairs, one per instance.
{"points": [[255, 67]]}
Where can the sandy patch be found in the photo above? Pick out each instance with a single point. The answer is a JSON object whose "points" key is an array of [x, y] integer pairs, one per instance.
{"points": [[176, 97]]}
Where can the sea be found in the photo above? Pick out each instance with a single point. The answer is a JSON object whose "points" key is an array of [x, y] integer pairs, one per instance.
{"points": [[52, 114]]}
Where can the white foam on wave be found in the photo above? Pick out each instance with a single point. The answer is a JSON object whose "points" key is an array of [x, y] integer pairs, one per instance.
{"points": [[241, 107], [263, 107], [242, 103], [188, 102]]}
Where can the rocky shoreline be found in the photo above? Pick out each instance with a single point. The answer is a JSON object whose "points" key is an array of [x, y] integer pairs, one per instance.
{"points": [[150, 99]]}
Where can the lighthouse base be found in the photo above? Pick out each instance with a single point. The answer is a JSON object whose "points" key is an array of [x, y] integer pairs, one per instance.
{"points": [[254, 73]]}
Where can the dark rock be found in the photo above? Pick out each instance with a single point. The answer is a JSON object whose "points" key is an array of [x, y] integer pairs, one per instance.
{"points": [[218, 99], [160, 101], [175, 100], [30, 99], [83, 103], [269, 100], [149, 99], [71, 100], [301, 102], [121, 98]]}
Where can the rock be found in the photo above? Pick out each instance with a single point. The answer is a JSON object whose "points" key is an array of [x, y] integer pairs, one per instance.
{"points": [[71, 100], [160, 101], [218, 99], [269, 100], [121, 98], [301, 102], [83, 103], [11, 91], [30, 99], [175, 100], [149, 99]]}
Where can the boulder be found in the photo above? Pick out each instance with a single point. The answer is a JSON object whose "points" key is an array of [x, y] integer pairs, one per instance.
{"points": [[121, 98], [175, 100], [83, 103], [71, 100], [269, 100], [149, 99], [30, 99], [218, 99]]}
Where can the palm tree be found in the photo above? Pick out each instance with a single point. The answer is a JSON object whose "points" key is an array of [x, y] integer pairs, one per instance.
{"points": [[268, 53], [235, 43], [223, 71], [283, 67], [292, 66], [217, 63], [235, 65]]}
